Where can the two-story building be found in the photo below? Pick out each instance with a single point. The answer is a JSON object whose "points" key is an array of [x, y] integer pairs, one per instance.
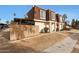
{"points": [[46, 20]]}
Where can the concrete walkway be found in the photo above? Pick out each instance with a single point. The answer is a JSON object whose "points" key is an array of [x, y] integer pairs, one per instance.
{"points": [[64, 46]]}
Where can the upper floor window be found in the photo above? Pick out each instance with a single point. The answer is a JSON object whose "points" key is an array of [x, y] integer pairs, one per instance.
{"points": [[52, 16], [42, 14]]}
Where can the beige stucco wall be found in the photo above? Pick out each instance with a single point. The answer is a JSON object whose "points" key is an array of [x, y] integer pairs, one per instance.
{"points": [[41, 25], [55, 25], [52, 25], [61, 26]]}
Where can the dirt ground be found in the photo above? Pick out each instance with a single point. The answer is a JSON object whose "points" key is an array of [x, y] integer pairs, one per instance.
{"points": [[43, 41], [76, 50], [34, 44]]}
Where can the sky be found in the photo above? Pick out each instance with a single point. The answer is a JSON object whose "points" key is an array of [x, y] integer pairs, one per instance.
{"points": [[7, 11]]}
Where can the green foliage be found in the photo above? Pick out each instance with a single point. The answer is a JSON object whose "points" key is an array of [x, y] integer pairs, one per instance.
{"points": [[7, 22], [75, 23], [11, 21], [64, 17]]}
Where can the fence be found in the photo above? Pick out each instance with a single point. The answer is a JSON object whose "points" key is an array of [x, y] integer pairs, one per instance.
{"points": [[22, 31]]}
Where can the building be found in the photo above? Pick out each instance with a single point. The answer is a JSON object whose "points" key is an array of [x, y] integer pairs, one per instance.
{"points": [[60, 22], [3, 26], [46, 20]]}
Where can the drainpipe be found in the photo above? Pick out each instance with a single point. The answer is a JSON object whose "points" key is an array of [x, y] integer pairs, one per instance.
{"points": [[55, 26], [58, 26], [50, 26]]}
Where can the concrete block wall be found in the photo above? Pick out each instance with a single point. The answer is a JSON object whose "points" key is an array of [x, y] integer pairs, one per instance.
{"points": [[22, 31]]}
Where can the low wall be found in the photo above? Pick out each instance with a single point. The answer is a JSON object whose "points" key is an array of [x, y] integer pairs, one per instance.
{"points": [[22, 31]]}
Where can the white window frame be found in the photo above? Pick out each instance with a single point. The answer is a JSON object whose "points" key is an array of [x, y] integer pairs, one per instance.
{"points": [[52, 16], [42, 14]]}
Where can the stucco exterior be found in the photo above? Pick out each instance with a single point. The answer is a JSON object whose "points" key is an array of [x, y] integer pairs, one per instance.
{"points": [[45, 19], [41, 26]]}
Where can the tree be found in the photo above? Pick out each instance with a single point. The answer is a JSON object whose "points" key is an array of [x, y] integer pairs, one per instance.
{"points": [[11, 21], [76, 22], [7, 22], [64, 20], [64, 17], [0, 19], [73, 23]]}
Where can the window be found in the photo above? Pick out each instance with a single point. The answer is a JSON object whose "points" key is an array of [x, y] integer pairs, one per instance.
{"points": [[52, 16], [27, 22], [42, 14]]}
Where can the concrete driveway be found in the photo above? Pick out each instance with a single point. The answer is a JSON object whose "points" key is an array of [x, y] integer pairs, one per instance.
{"points": [[65, 46]]}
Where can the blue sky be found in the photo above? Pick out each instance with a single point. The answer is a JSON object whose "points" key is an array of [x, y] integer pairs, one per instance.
{"points": [[6, 11]]}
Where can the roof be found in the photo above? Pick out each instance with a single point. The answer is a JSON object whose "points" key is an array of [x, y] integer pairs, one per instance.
{"points": [[39, 7], [2, 24], [19, 19], [51, 10]]}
